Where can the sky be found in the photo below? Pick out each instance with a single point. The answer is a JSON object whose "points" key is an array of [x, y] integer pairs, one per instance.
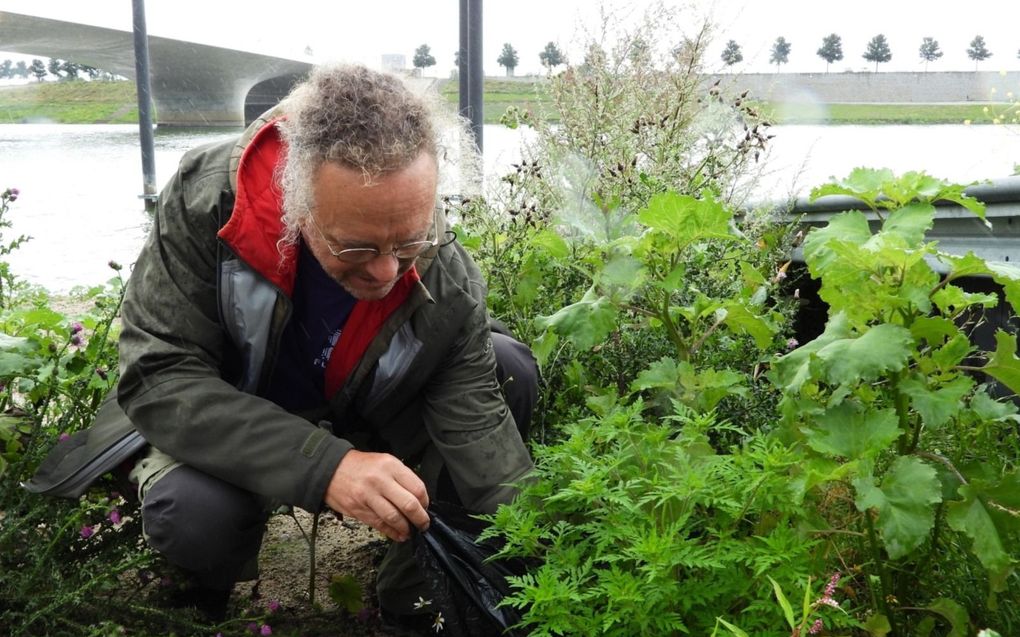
{"points": [[364, 31]]}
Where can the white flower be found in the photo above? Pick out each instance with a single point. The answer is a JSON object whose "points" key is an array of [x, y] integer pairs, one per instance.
{"points": [[437, 625], [422, 603]]}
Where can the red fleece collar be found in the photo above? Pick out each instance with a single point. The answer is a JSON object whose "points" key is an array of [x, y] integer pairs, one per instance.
{"points": [[255, 226]]}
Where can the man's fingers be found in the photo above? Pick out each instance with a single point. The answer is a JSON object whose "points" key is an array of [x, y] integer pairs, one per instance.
{"points": [[381, 491]]}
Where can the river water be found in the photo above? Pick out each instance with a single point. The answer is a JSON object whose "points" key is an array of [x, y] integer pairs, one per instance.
{"points": [[80, 184]]}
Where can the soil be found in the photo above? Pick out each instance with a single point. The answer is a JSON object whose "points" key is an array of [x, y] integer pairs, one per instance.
{"points": [[344, 548]]}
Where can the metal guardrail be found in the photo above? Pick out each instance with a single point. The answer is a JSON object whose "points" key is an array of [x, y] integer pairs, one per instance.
{"points": [[956, 229]]}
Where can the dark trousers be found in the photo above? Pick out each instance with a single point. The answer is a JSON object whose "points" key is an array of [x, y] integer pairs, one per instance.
{"points": [[214, 529]]}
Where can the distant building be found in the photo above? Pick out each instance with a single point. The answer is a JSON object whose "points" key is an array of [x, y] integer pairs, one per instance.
{"points": [[394, 62]]}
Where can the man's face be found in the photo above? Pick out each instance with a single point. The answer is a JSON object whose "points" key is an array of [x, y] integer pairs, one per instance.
{"points": [[392, 210]]}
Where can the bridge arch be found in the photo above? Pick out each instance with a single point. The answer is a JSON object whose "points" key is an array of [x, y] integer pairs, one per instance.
{"points": [[192, 84]]}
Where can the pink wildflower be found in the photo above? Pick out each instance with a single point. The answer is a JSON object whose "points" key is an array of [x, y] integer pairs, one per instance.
{"points": [[816, 627], [273, 606], [114, 517], [266, 630], [830, 588], [792, 343], [76, 327], [76, 340], [63, 436], [87, 531]]}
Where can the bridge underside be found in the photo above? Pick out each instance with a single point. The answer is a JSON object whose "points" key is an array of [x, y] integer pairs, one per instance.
{"points": [[192, 84]]}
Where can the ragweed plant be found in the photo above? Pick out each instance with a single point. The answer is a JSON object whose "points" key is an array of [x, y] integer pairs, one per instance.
{"points": [[906, 447], [641, 528]]}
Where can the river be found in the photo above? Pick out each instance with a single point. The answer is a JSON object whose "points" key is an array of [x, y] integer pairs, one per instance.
{"points": [[80, 184]]}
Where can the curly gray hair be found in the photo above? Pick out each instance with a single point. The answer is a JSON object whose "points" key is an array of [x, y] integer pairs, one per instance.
{"points": [[357, 118]]}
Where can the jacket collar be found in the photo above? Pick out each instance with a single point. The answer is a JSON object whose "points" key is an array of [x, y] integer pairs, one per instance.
{"points": [[256, 224]]}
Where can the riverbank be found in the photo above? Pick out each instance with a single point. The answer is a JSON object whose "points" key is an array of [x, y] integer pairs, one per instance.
{"points": [[115, 103]]}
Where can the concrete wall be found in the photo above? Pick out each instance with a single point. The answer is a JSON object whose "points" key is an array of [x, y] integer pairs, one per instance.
{"points": [[931, 87]]}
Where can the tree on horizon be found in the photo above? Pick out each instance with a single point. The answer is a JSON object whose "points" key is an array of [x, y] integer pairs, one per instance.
{"points": [[508, 59], [977, 50], [780, 52], [38, 69], [878, 51], [423, 58], [551, 56], [731, 54], [831, 50], [929, 51]]}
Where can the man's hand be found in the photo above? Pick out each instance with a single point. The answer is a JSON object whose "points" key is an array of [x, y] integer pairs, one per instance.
{"points": [[381, 491]]}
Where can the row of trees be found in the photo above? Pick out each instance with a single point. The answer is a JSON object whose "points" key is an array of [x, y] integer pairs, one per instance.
{"points": [[62, 69], [550, 57], [877, 51]]}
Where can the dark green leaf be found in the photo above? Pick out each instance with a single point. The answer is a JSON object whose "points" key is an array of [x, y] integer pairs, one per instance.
{"points": [[937, 406], [956, 615], [585, 323], [1004, 366], [971, 517], [848, 431], [742, 321], [903, 502], [346, 592], [882, 349]]}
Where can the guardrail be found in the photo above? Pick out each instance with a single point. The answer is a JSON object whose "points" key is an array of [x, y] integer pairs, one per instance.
{"points": [[957, 230]]}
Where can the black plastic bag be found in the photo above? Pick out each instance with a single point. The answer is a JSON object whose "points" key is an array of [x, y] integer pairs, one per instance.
{"points": [[466, 588]]}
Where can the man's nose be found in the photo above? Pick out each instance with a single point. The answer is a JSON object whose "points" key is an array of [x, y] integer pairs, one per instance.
{"points": [[384, 267]]}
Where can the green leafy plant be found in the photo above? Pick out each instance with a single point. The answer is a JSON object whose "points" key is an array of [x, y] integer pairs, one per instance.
{"points": [[901, 441], [64, 565], [641, 528], [8, 283], [559, 235], [677, 268]]}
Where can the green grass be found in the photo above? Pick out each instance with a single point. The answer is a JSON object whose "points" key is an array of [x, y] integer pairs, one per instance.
{"points": [[115, 103], [894, 113], [70, 103], [501, 94]]}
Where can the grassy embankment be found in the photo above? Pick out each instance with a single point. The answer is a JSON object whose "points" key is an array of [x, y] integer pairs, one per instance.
{"points": [[114, 103], [70, 103]]}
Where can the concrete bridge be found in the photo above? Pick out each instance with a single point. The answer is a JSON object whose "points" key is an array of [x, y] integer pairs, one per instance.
{"points": [[192, 84]]}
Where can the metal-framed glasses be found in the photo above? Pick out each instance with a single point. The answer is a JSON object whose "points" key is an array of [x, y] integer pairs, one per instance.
{"points": [[358, 256]]}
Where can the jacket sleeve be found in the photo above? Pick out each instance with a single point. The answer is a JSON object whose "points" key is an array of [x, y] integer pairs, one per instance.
{"points": [[469, 421], [172, 350]]}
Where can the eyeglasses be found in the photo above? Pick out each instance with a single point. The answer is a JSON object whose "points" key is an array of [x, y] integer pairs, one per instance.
{"points": [[357, 256]]}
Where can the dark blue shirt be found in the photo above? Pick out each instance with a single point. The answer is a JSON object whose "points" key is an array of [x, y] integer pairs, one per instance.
{"points": [[320, 310]]}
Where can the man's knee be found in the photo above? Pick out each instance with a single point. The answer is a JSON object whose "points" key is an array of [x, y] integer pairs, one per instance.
{"points": [[201, 523], [517, 373]]}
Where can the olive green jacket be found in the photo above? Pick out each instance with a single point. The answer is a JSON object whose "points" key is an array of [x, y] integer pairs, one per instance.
{"points": [[200, 329]]}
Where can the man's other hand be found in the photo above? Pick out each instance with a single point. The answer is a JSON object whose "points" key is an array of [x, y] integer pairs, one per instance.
{"points": [[381, 491]]}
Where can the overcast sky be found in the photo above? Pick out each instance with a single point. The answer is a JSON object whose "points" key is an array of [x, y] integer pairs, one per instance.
{"points": [[363, 31]]}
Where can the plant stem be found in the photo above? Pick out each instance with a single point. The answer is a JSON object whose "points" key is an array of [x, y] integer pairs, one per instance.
{"points": [[902, 403], [311, 559], [883, 573]]}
